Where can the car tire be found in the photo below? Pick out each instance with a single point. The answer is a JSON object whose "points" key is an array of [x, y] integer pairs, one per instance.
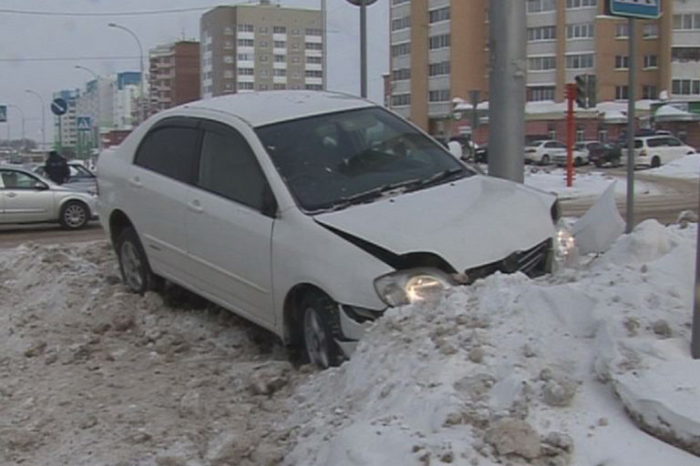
{"points": [[598, 163], [655, 161], [320, 323], [578, 161], [133, 263], [74, 215], [544, 160]]}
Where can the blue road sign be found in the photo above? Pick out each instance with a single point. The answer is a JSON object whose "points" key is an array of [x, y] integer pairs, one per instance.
{"points": [[83, 123], [649, 9], [59, 106], [3, 113]]}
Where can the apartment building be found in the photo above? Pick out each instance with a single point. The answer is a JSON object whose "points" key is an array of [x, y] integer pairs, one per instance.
{"points": [[174, 75], [65, 126], [261, 47], [126, 99], [440, 51]]}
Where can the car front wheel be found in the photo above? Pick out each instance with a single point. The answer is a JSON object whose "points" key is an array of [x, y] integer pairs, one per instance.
{"points": [[655, 161], [133, 263], [74, 215], [545, 159], [320, 324]]}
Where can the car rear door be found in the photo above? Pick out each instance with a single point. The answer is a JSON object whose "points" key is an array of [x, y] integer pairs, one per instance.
{"points": [[26, 198], [229, 236], [159, 185]]}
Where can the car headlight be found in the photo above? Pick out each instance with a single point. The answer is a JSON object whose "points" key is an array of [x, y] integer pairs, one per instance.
{"points": [[412, 286], [564, 242]]}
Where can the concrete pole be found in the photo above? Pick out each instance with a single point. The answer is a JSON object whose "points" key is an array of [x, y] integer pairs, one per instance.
{"points": [[363, 48], [507, 89], [324, 20], [695, 338], [631, 130]]}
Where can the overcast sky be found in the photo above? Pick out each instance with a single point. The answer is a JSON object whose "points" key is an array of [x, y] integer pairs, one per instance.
{"points": [[73, 39]]}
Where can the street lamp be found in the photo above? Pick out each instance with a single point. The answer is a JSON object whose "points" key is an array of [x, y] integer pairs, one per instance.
{"points": [[142, 115], [98, 116], [22, 113], [43, 117]]}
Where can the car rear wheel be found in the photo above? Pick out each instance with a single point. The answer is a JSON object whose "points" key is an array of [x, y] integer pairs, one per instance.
{"points": [[655, 161], [578, 161], [74, 215], [545, 160], [320, 324], [133, 263]]}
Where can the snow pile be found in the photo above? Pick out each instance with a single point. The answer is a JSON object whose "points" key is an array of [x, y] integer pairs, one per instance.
{"points": [[520, 371], [589, 184], [685, 167]]}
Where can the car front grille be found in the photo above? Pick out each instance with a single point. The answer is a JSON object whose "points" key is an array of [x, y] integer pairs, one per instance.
{"points": [[532, 262]]}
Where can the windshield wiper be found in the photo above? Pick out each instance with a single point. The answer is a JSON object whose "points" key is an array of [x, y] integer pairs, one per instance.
{"points": [[365, 196], [439, 177]]}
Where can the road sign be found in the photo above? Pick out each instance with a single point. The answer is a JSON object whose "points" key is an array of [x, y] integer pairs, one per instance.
{"points": [[648, 9], [59, 106], [359, 2], [83, 123], [3, 113]]}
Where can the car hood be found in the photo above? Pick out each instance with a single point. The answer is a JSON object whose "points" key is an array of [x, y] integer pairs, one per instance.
{"points": [[468, 223]]}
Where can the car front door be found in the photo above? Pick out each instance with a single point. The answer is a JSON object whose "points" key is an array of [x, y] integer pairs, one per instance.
{"points": [[26, 198], [228, 235], [160, 182]]}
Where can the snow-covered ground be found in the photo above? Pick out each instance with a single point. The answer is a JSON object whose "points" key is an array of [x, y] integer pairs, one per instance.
{"points": [[589, 184], [507, 371], [687, 167]]}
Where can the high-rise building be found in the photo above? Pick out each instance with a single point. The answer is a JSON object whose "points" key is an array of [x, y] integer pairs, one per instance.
{"points": [[65, 126], [126, 99], [440, 51], [174, 75], [260, 47]]}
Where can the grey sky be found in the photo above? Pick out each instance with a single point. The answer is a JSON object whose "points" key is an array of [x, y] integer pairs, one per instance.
{"points": [[41, 36]]}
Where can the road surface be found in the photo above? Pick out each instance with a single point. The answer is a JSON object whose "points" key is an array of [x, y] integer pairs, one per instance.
{"points": [[14, 235]]}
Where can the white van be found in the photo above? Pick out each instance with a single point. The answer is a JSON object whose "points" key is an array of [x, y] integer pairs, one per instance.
{"points": [[657, 150]]}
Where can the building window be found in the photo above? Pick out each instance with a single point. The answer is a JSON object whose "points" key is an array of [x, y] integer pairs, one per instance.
{"points": [[228, 31], [622, 30], [279, 72], [313, 46], [246, 71], [685, 86], [579, 135], [314, 74], [539, 93], [441, 14], [246, 28], [438, 69], [246, 86], [403, 73], [298, 59], [243, 57], [400, 23], [580, 31], [314, 32], [263, 29], [314, 60], [280, 58], [578, 61], [539, 6], [313, 87], [279, 30], [228, 59], [245, 42], [399, 2], [279, 86], [279, 44], [264, 58], [541, 33], [442, 95], [401, 99], [649, 92], [264, 43], [621, 92], [603, 135], [228, 74], [400, 49], [685, 54], [650, 61], [686, 22], [438, 42], [581, 3], [541, 63], [622, 62], [228, 44], [650, 31], [262, 87]]}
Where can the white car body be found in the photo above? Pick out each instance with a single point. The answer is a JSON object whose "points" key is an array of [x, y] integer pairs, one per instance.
{"points": [[544, 152], [35, 199], [253, 263], [657, 150]]}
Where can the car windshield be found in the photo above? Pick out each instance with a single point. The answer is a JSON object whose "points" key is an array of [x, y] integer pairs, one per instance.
{"points": [[335, 160]]}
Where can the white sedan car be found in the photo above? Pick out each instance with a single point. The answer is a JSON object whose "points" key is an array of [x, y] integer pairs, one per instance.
{"points": [[26, 197], [310, 213]]}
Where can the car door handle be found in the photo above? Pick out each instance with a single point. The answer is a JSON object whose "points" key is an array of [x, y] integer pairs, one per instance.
{"points": [[11, 194], [136, 182], [195, 206]]}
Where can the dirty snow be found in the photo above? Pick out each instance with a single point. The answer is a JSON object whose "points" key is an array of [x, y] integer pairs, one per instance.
{"points": [[507, 371], [687, 167]]}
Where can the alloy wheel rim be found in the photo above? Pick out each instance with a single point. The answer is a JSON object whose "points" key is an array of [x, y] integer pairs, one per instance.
{"points": [[74, 215], [315, 338], [132, 266]]}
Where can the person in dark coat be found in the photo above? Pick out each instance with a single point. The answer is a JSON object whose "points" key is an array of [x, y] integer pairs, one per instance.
{"points": [[56, 168]]}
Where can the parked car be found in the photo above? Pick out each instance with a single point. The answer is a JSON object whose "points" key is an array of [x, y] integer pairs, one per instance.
{"points": [[601, 154], [80, 178], [543, 152], [657, 150], [481, 154], [310, 213], [26, 197], [579, 155]]}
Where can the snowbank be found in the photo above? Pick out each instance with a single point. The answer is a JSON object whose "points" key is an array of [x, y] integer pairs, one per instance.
{"points": [[522, 371], [685, 167], [588, 184]]}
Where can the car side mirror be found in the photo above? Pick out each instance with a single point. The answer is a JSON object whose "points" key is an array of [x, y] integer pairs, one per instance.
{"points": [[455, 149], [41, 186]]}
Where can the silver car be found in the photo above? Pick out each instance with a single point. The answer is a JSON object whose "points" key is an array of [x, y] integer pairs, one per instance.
{"points": [[26, 197], [80, 178]]}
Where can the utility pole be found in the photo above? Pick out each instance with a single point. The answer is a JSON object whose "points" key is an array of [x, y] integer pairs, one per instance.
{"points": [[507, 44], [631, 123], [363, 4]]}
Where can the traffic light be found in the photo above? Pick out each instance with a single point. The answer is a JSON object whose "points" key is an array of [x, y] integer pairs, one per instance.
{"points": [[585, 90]]}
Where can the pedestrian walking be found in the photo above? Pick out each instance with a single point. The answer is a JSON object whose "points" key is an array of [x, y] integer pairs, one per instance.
{"points": [[56, 168]]}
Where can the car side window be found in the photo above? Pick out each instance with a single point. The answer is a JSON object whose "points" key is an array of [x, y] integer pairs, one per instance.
{"points": [[656, 142], [170, 151], [673, 142], [228, 167], [18, 180]]}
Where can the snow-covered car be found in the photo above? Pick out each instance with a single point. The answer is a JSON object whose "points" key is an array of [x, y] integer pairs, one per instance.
{"points": [[310, 213], [656, 150], [544, 152], [26, 197], [80, 178]]}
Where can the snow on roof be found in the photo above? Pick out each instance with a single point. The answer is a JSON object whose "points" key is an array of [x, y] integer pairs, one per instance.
{"points": [[670, 113], [550, 106]]}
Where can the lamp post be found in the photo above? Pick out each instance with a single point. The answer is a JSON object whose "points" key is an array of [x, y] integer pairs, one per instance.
{"points": [[43, 117], [22, 113], [142, 113], [98, 115]]}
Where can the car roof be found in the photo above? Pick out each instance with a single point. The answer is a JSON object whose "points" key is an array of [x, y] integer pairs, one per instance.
{"points": [[263, 108]]}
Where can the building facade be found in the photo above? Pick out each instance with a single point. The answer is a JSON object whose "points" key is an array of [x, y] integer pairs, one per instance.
{"points": [[260, 47], [174, 75], [440, 51], [126, 99], [65, 126]]}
